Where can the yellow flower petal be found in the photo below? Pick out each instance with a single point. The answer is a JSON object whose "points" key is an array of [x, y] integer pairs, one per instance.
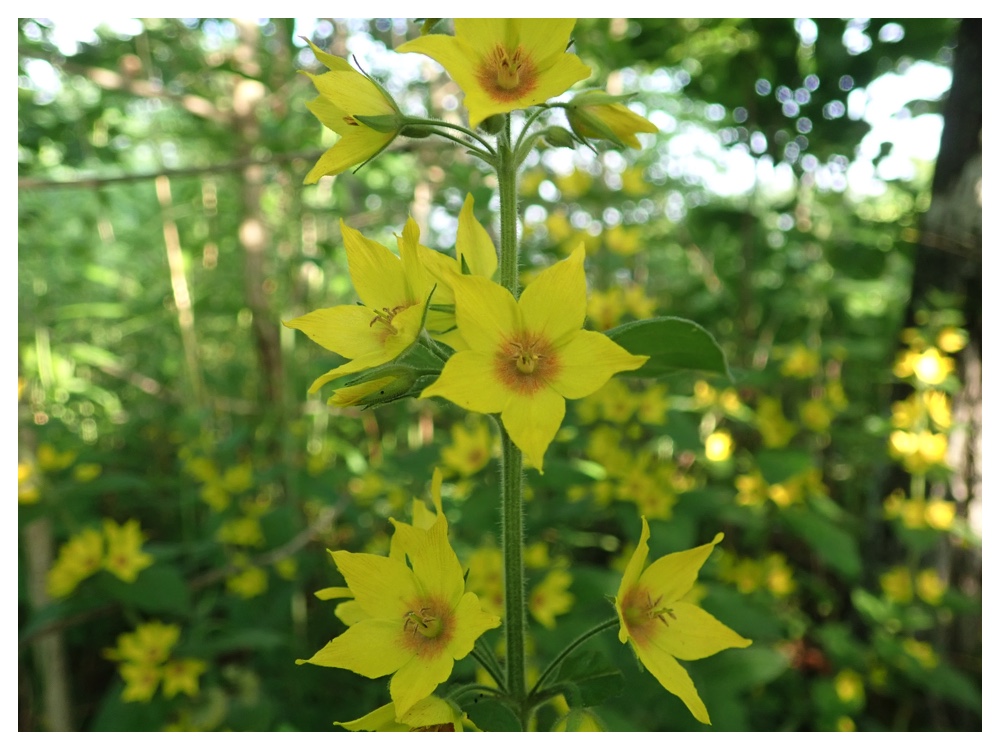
{"points": [[675, 679], [417, 678], [532, 420], [673, 575], [473, 242], [355, 148], [466, 380], [381, 586], [472, 622], [587, 361], [376, 272], [353, 650], [555, 303], [695, 634], [486, 312], [631, 577]]}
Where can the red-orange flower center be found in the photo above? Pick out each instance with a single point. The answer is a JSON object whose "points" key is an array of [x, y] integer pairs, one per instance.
{"points": [[428, 626], [643, 614], [526, 363], [507, 74]]}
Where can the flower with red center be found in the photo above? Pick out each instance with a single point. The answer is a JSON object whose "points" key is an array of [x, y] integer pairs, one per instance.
{"points": [[527, 356], [503, 64], [662, 627], [412, 621]]}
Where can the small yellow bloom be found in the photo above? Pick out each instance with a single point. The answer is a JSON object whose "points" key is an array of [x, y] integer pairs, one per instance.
{"points": [[952, 339], [84, 473], [470, 449], [931, 368], [897, 585], [248, 583], [150, 643], [79, 558], [393, 292], [719, 446], [503, 64], [939, 514], [141, 681], [527, 356], [181, 676], [50, 460], [930, 587], [551, 598], [661, 627], [845, 724], [922, 652], [815, 415], [596, 114], [345, 98], [802, 362], [244, 531], [849, 686], [432, 714], [774, 428], [125, 558]]}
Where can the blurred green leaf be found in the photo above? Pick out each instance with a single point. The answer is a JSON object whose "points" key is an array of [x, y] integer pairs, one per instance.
{"points": [[589, 678]]}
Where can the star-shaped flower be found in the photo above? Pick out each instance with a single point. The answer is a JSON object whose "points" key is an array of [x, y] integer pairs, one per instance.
{"points": [[527, 356], [503, 64], [661, 627]]}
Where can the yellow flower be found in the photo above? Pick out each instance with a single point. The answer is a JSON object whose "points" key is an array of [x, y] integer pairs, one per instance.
{"points": [[897, 585], [125, 558], [244, 531], [248, 583], [551, 598], [718, 446], [470, 449], [432, 714], [79, 558], [419, 619], [849, 686], [775, 430], [951, 339], [527, 356], [141, 681], [51, 460], [393, 292], [815, 415], [939, 514], [86, 472], [597, 114], [346, 97], [149, 643], [661, 627], [931, 368], [801, 362], [503, 64], [181, 676], [930, 587]]}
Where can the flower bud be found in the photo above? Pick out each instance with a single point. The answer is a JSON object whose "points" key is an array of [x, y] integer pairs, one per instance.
{"points": [[596, 114], [559, 137], [381, 385], [493, 124]]}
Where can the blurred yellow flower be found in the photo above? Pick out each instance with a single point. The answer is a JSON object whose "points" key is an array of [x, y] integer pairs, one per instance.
{"points": [[815, 415], [897, 585], [79, 558], [719, 446], [181, 676], [931, 368], [150, 643], [939, 514], [125, 558], [918, 451], [84, 473], [248, 583], [774, 429], [849, 686], [951, 339], [930, 587], [51, 460], [551, 598], [470, 449], [922, 652], [801, 362], [244, 531], [141, 681]]}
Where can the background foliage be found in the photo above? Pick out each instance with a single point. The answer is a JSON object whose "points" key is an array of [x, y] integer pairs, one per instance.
{"points": [[164, 233]]}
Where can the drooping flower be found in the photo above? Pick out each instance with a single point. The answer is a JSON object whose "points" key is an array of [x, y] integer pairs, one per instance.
{"points": [[596, 114], [432, 714], [393, 292], [503, 64], [661, 627], [345, 95], [527, 356], [418, 619]]}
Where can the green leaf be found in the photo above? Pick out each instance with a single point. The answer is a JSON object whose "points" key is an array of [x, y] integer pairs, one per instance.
{"points": [[492, 716], [831, 543], [777, 466], [589, 679], [671, 344], [160, 588]]}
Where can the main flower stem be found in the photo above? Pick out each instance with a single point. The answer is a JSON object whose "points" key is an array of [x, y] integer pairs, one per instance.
{"points": [[511, 508]]}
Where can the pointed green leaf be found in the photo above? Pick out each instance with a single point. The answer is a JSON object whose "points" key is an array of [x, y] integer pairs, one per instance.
{"points": [[671, 344]]}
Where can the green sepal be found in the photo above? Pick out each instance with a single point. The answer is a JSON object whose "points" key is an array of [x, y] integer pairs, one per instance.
{"points": [[381, 123]]}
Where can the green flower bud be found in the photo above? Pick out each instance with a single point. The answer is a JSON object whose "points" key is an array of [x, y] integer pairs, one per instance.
{"points": [[493, 124]]}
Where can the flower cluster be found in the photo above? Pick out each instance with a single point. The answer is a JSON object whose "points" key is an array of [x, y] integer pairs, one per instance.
{"points": [[145, 663], [118, 550]]}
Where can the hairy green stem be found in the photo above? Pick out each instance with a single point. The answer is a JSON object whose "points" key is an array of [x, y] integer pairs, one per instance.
{"points": [[511, 508]]}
